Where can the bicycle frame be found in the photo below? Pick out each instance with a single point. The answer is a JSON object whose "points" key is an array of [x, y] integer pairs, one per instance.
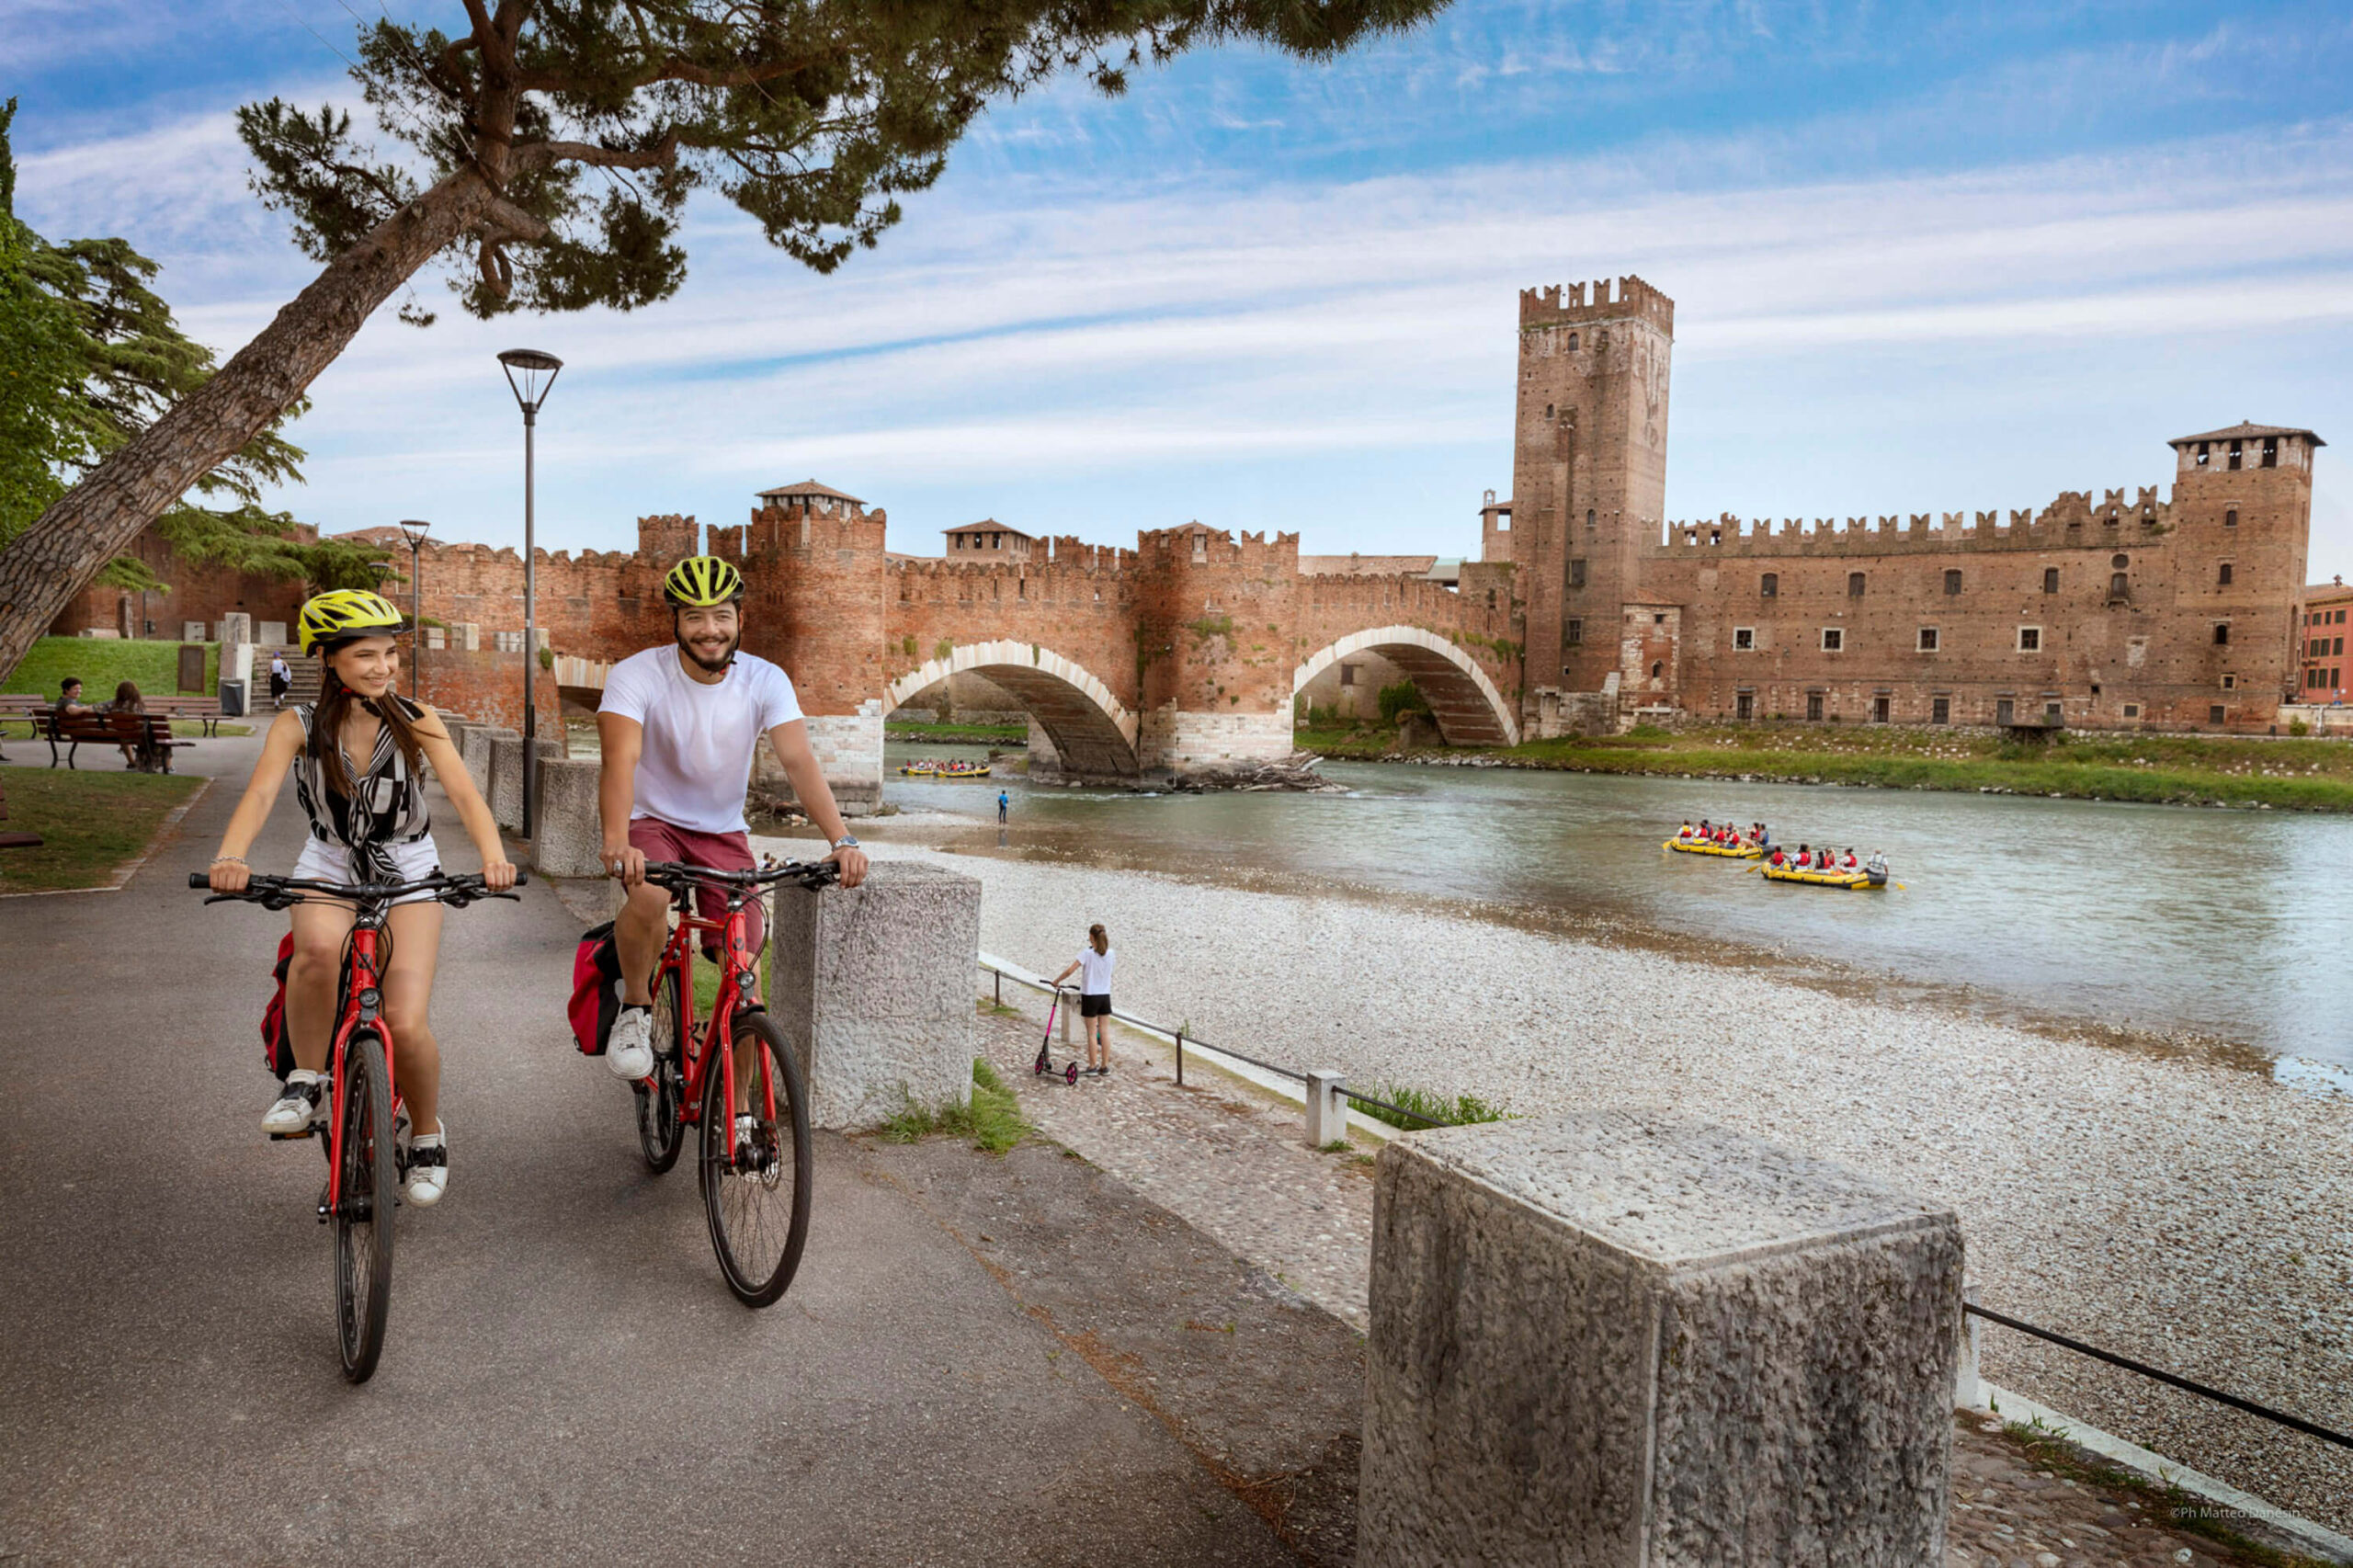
{"points": [[361, 1003], [736, 980]]}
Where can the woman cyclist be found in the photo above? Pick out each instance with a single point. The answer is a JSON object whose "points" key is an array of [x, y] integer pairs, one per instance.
{"points": [[368, 824]]}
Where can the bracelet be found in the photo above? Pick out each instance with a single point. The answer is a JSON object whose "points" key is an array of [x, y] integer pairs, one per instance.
{"points": [[229, 860]]}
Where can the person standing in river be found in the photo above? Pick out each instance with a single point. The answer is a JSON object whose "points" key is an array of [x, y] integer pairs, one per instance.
{"points": [[1094, 965], [1004, 803]]}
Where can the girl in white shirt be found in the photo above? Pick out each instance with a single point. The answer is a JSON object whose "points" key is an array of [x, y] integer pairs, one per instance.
{"points": [[1094, 966]]}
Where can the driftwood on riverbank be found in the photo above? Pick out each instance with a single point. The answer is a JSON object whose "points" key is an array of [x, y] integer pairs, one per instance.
{"points": [[1294, 773]]}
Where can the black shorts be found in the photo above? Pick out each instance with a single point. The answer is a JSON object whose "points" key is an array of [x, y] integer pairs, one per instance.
{"points": [[1095, 1007]]}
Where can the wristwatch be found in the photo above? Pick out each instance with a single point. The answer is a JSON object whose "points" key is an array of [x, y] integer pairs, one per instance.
{"points": [[846, 842]]}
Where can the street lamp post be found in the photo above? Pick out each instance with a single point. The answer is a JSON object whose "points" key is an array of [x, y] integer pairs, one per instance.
{"points": [[525, 367], [413, 529]]}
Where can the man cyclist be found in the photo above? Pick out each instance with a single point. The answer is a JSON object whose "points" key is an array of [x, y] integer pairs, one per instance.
{"points": [[680, 726]]}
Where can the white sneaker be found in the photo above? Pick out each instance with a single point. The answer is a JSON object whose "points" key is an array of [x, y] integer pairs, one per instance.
{"points": [[629, 1050], [428, 1167], [299, 1108]]}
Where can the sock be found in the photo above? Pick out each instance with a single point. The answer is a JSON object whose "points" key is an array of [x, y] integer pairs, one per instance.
{"points": [[303, 1075], [431, 1140], [637, 1006]]}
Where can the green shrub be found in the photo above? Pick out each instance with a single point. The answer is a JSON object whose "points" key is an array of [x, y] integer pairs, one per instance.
{"points": [[991, 1120], [1463, 1109], [2297, 727], [1401, 699]]}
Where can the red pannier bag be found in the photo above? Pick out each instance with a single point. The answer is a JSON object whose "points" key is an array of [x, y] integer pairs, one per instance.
{"points": [[595, 988], [277, 1050]]}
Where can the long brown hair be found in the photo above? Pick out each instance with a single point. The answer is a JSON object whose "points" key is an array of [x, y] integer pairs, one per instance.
{"points": [[126, 698], [335, 705], [1095, 935]]}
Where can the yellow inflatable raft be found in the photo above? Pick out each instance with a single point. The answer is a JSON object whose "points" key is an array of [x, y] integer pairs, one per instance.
{"points": [[1745, 852], [916, 772], [1859, 882]]}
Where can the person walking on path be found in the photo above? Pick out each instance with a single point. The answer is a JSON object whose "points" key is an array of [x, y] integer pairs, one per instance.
{"points": [[368, 824], [1094, 966], [281, 677], [679, 726], [1004, 803]]}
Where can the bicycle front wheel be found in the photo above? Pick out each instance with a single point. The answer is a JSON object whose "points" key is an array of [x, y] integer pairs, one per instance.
{"points": [[662, 1099], [367, 1178], [757, 1164]]}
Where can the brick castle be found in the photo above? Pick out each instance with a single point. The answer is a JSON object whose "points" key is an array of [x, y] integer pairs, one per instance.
{"points": [[1585, 612]]}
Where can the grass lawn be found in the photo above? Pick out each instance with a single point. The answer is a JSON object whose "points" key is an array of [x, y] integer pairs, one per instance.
{"points": [[2293, 775], [90, 823], [976, 733], [103, 663]]}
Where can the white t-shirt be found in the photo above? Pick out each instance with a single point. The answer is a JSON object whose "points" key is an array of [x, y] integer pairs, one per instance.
{"points": [[1095, 970], [699, 740]]}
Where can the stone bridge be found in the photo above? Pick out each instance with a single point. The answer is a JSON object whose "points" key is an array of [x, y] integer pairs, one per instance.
{"points": [[1180, 655]]}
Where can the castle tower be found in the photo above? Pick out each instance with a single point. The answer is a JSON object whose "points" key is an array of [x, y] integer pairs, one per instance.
{"points": [[1588, 470], [1213, 647], [2242, 523]]}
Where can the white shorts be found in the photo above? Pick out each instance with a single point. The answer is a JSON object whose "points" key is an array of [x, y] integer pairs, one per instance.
{"points": [[325, 862]]}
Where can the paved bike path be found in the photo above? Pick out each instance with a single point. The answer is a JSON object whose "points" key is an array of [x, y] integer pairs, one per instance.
{"points": [[564, 1373]]}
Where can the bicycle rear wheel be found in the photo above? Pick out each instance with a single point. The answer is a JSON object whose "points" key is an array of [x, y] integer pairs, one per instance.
{"points": [[756, 1180], [363, 1213], [661, 1099]]}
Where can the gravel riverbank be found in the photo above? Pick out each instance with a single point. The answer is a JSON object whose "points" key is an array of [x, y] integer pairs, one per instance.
{"points": [[2192, 1214]]}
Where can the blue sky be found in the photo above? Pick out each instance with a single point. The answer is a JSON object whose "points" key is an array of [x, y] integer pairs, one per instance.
{"points": [[1924, 259]]}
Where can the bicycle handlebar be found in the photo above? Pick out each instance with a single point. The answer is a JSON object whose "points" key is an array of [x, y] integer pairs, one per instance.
{"points": [[808, 873], [280, 892]]}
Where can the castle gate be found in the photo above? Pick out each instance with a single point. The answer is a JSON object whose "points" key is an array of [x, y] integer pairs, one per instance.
{"points": [[1471, 709], [1092, 731]]}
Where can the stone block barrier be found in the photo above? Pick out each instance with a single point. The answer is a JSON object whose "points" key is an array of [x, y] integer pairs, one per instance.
{"points": [[473, 747], [1620, 1338], [564, 818], [873, 986], [507, 776]]}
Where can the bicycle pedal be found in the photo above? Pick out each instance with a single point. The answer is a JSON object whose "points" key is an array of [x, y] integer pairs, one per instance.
{"points": [[291, 1137]]}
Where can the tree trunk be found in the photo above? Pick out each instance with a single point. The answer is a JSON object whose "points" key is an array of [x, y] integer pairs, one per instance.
{"points": [[45, 566]]}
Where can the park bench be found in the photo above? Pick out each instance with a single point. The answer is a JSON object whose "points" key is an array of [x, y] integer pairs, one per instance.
{"points": [[15, 840], [15, 706], [205, 711], [150, 732]]}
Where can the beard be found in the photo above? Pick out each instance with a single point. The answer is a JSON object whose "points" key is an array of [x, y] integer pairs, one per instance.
{"points": [[711, 665]]}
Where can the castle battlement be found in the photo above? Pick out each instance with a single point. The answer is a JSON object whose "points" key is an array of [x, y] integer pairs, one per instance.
{"points": [[2071, 521], [1569, 304]]}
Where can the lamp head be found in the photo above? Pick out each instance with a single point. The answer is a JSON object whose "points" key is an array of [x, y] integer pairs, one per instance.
{"points": [[530, 372], [414, 529]]}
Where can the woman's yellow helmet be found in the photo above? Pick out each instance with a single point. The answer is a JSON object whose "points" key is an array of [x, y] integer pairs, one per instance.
{"points": [[703, 580], [342, 613]]}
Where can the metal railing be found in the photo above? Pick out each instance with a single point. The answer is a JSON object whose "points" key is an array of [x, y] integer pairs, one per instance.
{"points": [[2172, 1380], [1182, 1038]]}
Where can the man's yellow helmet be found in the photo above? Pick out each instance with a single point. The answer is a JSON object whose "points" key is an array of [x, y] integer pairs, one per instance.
{"points": [[341, 613], [703, 580]]}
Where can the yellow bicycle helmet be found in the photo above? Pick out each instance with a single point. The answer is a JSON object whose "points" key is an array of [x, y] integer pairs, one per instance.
{"points": [[703, 580], [342, 613]]}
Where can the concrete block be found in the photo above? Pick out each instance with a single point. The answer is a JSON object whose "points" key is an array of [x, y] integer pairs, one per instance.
{"points": [[474, 744], [236, 627], [507, 776], [270, 633], [1620, 1338], [874, 987], [1327, 1107], [567, 835], [193, 630]]}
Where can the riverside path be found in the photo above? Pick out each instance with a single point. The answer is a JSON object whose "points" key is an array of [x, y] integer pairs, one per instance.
{"points": [[565, 1377]]}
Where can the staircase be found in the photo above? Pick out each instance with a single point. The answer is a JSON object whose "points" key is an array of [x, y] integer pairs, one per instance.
{"points": [[305, 671]]}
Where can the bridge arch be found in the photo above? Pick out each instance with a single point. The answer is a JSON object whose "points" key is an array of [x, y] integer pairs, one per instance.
{"points": [[1471, 711], [1093, 731]]}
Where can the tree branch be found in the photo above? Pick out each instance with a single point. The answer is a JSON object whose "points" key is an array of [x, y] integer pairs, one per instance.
{"points": [[504, 220], [541, 154]]}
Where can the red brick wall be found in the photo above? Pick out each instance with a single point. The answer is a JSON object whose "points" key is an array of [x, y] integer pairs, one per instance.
{"points": [[1078, 601], [487, 686], [814, 600], [1216, 619], [200, 591]]}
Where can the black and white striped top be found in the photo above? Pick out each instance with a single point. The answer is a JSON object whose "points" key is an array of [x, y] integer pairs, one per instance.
{"points": [[386, 807]]}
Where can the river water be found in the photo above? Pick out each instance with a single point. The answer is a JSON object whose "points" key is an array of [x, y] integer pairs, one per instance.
{"points": [[2164, 919]]}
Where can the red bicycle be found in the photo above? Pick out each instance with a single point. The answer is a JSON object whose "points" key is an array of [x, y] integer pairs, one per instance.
{"points": [[365, 1161], [751, 1101]]}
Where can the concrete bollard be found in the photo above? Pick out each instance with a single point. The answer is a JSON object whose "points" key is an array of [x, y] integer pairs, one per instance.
{"points": [[873, 986], [507, 776], [1327, 1107], [569, 834], [473, 747], [1618, 1338], [1968, 1383]]}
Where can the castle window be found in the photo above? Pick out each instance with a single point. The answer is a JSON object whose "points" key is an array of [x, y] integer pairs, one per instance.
{"points": [[1768, 586], [1854, 584], [2216, 714], [1927, 644], [2335, 647], [2050, 579], [2230, 681], [1576, 572], [2201, 454], [2270, 451], [1576, 633], [1588, 517], [2120, 561], [2230, 516], [2119, 586], [2237, 460], [1744, 639], [1940, 711], [1491, 599], [1814, 705], [1659, 619], [2131, 711], [2029, 638], [1547, 411], [1573, 343], [1656, 667], [2224, 580], [1879, 710], [2221, 634], [1347, 675], [1834, 639], [1952, 582]]}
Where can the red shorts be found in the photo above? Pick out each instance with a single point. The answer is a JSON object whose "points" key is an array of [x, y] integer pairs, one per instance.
{"points": [[720, 851]]}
